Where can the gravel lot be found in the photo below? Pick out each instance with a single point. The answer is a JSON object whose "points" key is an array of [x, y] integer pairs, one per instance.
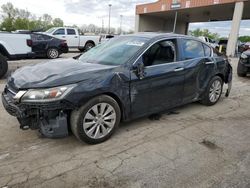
{"points": [[196, 146]]}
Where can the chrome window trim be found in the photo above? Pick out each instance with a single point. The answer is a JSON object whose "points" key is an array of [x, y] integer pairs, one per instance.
{"points": [[169, 38]]}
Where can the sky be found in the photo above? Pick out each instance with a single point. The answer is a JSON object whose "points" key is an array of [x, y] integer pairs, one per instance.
{"points": [[81, 12]]}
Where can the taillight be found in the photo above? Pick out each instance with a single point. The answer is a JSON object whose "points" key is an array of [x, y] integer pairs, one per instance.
{"points": [[29, 42]]}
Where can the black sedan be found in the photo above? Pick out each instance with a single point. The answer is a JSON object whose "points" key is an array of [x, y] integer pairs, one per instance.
{"points": [[125, 78], [48, 46], [244, 64]]}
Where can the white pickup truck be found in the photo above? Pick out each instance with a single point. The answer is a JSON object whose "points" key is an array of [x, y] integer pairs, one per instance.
{"points": [[209, 41], [13, 47], [73, 38]]}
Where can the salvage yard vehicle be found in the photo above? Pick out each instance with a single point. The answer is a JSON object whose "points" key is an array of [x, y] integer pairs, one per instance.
{"points": [[244, 64], [13, 47], [73, 38], [209, 41], [128, 77], [48, 46]]}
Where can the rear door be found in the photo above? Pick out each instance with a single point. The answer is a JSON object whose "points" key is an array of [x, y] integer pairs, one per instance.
{"points": [[40, 43], [72, 38], [199, 67]]}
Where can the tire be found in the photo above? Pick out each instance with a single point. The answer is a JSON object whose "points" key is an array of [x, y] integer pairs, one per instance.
{"points": [[89, 126], [3, 66], [215, 87], [88, 46], [241, 70], [52, 53]]}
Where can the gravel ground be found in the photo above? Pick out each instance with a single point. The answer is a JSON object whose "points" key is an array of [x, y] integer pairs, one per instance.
{"points": [[196, 146]]}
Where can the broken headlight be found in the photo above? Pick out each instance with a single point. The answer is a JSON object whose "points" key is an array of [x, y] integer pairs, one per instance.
{"points": [[46, 95]]}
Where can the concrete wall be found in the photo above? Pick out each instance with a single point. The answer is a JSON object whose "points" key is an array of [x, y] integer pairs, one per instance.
{"points": [[155, 24]]}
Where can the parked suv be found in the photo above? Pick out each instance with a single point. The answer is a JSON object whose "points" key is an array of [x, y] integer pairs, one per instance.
{"points": [[125, 78]]}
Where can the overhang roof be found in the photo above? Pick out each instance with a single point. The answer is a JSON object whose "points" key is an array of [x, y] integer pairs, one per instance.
{"points": [[198, 10]]}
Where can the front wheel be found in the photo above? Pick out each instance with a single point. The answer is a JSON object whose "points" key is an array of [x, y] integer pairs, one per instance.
{"points": [[3, 66], [213, 91], [52, 53], [96, 121]]}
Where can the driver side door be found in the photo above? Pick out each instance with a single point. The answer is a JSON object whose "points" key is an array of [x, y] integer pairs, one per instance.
{"points": [[162, 85]]}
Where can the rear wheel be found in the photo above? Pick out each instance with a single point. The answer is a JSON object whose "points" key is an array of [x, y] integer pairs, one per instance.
{"points": [[3, 66], [241, 70], [53, 53], [213, 91], [97, 120], [89, 45]]}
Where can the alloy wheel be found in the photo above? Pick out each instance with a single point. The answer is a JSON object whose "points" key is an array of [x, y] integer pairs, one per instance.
{"points": [[215, 91], [99, 120], [53, 53]]}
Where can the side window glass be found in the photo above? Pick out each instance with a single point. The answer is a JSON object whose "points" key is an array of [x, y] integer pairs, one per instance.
{"points": [[192, 49], [59, 32], [160, 53], [37, 37], [71, 32], [207, 50]]}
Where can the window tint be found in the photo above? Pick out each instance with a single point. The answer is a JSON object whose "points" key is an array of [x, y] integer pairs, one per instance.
{"points": [[207, 50], [71, 32], [59, 32], [37, 37], [192, 49], [116, 51], [160, 53]]}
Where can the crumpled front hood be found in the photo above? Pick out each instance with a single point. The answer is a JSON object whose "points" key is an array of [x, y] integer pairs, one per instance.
{"points": [[56, 73]]}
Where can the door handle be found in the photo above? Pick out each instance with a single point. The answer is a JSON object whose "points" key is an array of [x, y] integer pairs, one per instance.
{"points": [[209, 63], [76, 37], [63, 36], [178, 69]]}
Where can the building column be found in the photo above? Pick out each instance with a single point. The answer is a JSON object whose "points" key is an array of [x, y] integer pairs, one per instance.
{"points": [[235, 28], [137, 22]]}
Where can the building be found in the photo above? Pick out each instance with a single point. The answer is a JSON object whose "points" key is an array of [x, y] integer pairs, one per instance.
{"points": [[175, 16]]}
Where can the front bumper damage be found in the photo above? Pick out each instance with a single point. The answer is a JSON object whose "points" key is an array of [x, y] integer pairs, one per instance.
{"points": [[50, 118]]}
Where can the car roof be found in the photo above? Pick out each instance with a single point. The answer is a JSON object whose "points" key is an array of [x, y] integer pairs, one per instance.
{"points": [[151, 35], [158, 36]]}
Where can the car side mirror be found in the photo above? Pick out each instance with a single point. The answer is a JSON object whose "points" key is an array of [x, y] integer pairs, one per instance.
{"points": [[139, 69]]}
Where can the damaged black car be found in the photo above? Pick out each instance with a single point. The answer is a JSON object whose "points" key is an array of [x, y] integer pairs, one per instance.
{"points": [[126, 78]]}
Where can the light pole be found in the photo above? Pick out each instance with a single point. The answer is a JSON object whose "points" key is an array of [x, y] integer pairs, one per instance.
{"points": [[121, 16], [109, 16]]}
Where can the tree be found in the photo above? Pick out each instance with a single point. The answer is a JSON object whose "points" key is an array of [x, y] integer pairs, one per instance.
{"points": [[244, 38], [57, 22], [18, 19], [9, 11], [205, 33]]}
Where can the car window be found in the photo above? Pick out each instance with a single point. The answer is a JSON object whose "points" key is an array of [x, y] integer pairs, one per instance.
{"points": [[192, 49], [59, 32], [36, 37], [207, 50], [160, 53], [116, 51], [71, 32]]}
